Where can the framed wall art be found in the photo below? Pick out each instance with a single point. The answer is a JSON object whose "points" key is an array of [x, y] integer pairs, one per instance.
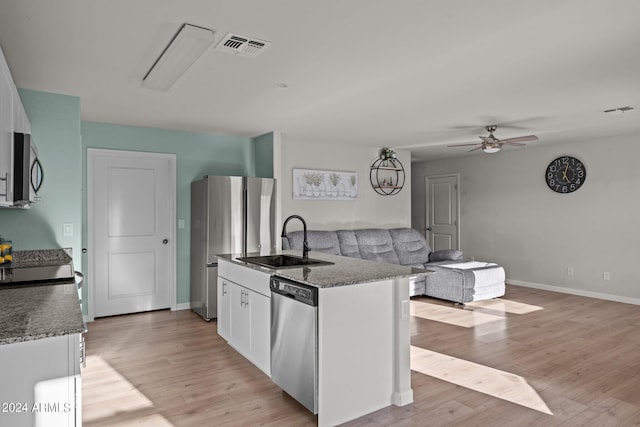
{"points": [[312, 184]]}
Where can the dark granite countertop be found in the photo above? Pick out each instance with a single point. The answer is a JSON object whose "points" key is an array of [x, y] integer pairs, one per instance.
{"points": [[35, 311], [345, 271], [39, 258]]}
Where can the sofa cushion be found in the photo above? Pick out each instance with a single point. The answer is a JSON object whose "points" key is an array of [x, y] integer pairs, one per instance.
{"points": [[376, 245], [319, 241], [348, 243], [405, 247], [445, 255], [410, 246]]}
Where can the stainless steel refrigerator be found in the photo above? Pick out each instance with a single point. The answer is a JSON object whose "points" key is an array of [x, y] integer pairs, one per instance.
{"points": [[229, 214]]}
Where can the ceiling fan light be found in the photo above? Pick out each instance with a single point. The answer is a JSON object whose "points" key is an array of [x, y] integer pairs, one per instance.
{"points": [[491, 150]]}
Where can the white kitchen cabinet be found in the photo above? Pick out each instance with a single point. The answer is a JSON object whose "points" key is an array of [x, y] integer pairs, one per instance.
{"points": [[239, 327], [244, 313], [20, 120], [41, 383], [12, 119], [6, 133], [224, 308], [260, 330]]}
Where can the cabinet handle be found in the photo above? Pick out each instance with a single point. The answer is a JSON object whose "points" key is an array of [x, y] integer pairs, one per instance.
{"points": [[7, 184], [224, 285], [40, 174], [244, 298], [83, 352]]}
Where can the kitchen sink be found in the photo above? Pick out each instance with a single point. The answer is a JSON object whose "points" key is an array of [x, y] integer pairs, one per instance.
{"points": [[283, 261]]}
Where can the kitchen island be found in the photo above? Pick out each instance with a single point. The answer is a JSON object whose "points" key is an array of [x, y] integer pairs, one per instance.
{"points": [[362, 328], [41, 330]]}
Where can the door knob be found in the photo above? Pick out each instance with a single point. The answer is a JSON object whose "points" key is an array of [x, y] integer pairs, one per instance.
{"points": [[165, 241], [428, 228]]}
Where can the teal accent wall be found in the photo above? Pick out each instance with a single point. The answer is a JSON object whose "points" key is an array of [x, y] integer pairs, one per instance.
{"points": [[62, 140], [263, 149], [196, 155], [55, 129]]}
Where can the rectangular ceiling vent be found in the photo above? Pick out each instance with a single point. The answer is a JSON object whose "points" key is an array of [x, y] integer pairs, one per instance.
{"points": [[241, 45]]}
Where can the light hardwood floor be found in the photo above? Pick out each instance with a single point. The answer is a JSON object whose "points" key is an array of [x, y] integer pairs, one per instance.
{"points": [[531, 358]]}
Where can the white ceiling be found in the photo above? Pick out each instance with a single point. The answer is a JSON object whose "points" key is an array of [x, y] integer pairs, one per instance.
{"points": [[415, 74]]}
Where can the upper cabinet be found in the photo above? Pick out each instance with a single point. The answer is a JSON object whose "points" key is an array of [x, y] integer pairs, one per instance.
{"points": [[18, 159], [20, 121], [6, 133]]}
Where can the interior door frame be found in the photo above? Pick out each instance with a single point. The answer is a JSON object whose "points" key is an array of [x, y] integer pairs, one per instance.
{"points": [[428, 198], [92, 155]]}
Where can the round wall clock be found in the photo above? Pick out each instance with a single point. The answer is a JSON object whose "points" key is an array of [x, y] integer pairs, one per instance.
{"points": [[565, 174]]}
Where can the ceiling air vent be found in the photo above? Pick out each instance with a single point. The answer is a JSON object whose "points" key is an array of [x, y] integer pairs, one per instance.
{"points": [[241, 45]]}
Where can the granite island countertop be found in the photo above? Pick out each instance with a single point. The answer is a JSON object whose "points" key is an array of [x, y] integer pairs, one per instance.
{"points": [[344, 271]]}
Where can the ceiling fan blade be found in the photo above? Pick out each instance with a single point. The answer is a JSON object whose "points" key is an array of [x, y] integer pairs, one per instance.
{"points": [[464, 145], [515, 144], [520, 139], [501, 121], [474, 149], [488, 139]]}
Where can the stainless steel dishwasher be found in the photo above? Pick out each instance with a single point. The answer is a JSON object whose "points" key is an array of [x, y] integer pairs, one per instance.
{"points": [[294, 340]]}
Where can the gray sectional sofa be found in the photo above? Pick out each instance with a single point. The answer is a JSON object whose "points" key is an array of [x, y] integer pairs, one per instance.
{"points": [[454, 280]]}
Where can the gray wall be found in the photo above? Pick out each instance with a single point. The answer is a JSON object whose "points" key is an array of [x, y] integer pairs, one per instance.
{"points": [[368, 210], [510, 216]]}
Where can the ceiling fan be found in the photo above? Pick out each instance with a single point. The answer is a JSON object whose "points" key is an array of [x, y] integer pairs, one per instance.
{"points": [[491, 144]]}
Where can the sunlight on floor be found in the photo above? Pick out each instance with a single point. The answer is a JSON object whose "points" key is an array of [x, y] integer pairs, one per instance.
{"points": [[502, 305], [483, 379], [475, 314], [103, 384], [452, 315]]}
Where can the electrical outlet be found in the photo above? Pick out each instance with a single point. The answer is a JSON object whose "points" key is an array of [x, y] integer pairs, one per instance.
{"points": [[569, 271], [67, 229], [181, 223], [606, 276]]}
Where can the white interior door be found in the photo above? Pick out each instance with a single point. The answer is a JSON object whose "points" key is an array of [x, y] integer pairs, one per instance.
{"points": [[131, 210], [442, 212]]}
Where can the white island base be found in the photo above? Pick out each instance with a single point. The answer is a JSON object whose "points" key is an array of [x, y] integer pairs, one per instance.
{"points": [[363, 329], [364, 349]]}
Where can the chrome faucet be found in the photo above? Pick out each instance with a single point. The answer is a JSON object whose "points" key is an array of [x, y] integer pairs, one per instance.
{"points": [[305, 243]]}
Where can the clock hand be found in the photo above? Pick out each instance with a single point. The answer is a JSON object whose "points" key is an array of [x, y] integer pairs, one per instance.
{"points": [[564, 173]]}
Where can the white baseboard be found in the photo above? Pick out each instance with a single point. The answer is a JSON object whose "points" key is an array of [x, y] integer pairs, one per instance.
{"points": [[572, 291], [402, 398], [183, 306]]}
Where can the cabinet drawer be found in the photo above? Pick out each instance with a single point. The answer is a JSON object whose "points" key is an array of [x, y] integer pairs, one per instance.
{"points": [[252, 279]]}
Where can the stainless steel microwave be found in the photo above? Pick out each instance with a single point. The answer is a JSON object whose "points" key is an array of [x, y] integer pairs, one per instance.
{"points": [[27, 170]]}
